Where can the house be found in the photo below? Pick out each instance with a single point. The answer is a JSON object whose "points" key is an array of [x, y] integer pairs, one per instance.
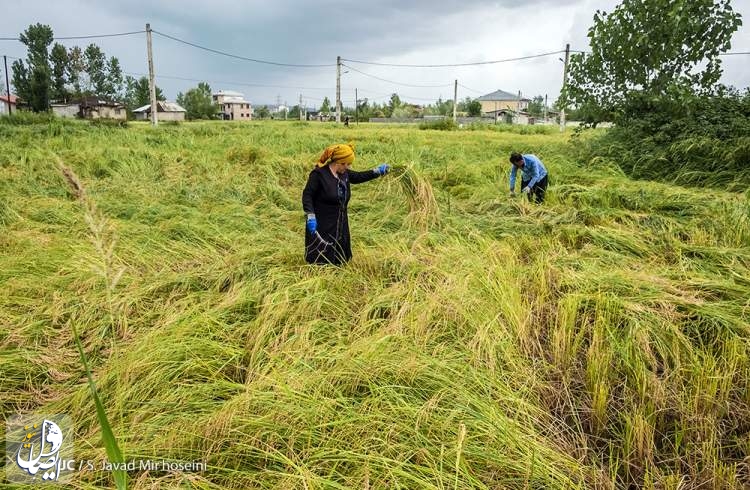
{"points": [[510, 116], [320, 116], [65, 110], [165, 111], [500, 99], [233, 106], [95, 107], [8, 103]]}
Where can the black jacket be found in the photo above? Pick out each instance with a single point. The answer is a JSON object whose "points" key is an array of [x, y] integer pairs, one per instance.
{"points": [[327, 197]]}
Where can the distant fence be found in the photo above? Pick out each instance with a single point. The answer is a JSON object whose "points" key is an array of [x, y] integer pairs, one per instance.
{"points": [[460, 120]]}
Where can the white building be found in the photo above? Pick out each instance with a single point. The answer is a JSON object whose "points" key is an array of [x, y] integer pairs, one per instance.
{"points": [[233, 106], [165, 111], [7, 104]]}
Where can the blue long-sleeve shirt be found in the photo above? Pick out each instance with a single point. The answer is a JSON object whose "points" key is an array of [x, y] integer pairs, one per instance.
{"points": [[533, 171]]}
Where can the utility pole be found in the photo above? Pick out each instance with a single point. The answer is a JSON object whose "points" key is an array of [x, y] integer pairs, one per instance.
{"points": [[286, 110], [7, 85], [151, 84], [300, 108], [545, 108], [455, 98], [565, 82], [356, 107], [338, 89], [518, 109]]}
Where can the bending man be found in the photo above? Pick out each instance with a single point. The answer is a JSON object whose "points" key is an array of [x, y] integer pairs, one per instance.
{"points": [[534, 178]]}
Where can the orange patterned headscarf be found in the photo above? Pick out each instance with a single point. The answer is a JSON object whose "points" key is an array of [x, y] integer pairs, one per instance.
{"points": [[337, 154]]}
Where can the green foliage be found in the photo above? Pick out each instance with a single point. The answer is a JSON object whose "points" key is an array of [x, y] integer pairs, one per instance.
{"points": [[63, 74], [95, 63], [393, 104], [440, 108], [475, 341], [293, 112], [536, 106], [114, 454], [261, 112], [699, 141], [110, 123], [473, 108], [198, 102], [446, 124], [25, 118], [513, 128], [137, 93], [114, 86], [325, 107], [75, 69], [650, 48], [33, 80], [59, 61]]}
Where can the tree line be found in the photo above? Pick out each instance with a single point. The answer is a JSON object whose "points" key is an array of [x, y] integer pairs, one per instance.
{"points": [[56, 74]]}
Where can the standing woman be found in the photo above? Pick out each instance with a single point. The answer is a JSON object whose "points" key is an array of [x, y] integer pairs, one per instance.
{"points": [[325, 201]]}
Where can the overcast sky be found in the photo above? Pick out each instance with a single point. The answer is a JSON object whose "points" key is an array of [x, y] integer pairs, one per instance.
{"points": [[304, 32]]}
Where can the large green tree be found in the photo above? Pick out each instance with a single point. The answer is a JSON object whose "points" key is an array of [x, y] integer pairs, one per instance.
{"points": [[33, 79], [59, 62], [198, 103], [472, 107], [95, 62], [137, 93], [393, 104], [75, 69], [325, 107], [648, 50], [536, 106], [114, 85]]}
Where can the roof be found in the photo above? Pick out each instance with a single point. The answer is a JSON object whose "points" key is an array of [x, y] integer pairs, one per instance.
{"points": [[161, 106], [500, 95], [229, 93], [96, 101], [234, 100], [230, 97], [505, 112], [9, 98]]}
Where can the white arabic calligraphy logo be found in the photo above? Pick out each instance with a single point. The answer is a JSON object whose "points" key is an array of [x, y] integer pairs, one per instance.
{"points": [[40, 450]]}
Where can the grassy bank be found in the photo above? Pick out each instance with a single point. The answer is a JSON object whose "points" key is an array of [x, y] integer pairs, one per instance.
{"points": [[475, 341]]}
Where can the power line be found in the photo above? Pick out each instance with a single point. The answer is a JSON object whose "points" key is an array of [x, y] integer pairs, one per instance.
{"points": [[80, 37], [100, 35], [455, 64], [471, 89], [394, 82], [229, 83], [243, 58]]}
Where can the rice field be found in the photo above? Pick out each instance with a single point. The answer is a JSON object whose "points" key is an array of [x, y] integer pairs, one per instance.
{"points": [[599, 340]]}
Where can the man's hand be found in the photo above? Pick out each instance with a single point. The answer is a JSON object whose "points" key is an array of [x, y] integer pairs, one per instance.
{"points": [[526, 190]]}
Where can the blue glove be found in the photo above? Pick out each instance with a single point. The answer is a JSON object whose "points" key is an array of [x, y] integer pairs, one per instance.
{"points": [[382, 169], [312, 223], [526, 190]]}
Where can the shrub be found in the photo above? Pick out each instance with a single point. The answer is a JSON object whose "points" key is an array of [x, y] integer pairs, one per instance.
{"points": [[109, 123], [440, 125], [700, 141]]}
